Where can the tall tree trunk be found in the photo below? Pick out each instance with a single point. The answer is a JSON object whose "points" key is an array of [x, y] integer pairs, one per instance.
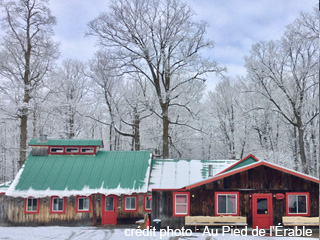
{"points": [[302, 153], [165, 134], [23, 138], [24, 124], [26, 99], [295, 149], [136, 131], [110, 137]]}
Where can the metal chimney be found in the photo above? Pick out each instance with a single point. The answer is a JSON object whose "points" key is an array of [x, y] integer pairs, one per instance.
{"points": [[43, 138], [210, 171]]}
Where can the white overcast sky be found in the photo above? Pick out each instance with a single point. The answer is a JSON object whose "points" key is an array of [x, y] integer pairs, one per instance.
{"points": [[234, 25]]}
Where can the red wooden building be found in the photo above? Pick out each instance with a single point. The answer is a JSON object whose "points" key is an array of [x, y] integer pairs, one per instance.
{"points": [[261, 191]]}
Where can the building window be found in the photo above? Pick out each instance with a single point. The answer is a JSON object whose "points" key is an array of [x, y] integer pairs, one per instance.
{"points": [[83, 204], [181, 206], [130, 203], [57, 205], [147, 203], [297, 204], [72, 150], [87, 150], [56, 149], [109, 204], [227, 203], [31, 205]]}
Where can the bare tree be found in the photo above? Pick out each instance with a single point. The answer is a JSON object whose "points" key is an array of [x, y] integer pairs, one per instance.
{"points": [[27, 54], [68, 93], [287, 73], [104, 75], [159, 41]]}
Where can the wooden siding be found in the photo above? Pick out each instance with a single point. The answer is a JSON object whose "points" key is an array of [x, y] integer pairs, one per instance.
{"points": [[40, 151], [257, 180], [12, 212], [3, 210], [162, 208], [261, 179]]}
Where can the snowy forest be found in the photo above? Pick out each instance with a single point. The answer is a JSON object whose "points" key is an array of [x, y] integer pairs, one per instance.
{"points": [[145, 87]]}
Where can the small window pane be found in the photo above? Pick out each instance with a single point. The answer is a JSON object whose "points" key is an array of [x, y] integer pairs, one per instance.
{"points": [[34, 204], [56, 150], [86, 204], [181, 198], [87, 150], [109, 204], [262, 206], [292, 204], [60, 204], [133, 203], [72, 150], [302, 204], [222, 206], [181, 209], [232, 203], [80, 203], [148, 203]]}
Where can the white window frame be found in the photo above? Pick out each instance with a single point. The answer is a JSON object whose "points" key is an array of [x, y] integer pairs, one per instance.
{"points": [[32, 205], [84, 209], [135, 203], [227, 195], [296, 198], [181, 204], [52, 203]]}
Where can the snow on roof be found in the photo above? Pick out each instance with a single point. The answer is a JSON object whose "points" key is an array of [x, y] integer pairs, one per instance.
{"points": [[175, 174], [4, 186], [109, 172]]}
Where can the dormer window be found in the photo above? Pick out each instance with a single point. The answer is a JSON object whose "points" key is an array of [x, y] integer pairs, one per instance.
{"points": [[87, 150], [56, 150], [72, 150], [65, 147]]}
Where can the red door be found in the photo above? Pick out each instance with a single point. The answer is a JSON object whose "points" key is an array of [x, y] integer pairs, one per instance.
{"points": [[109, 209], [262, 211]]}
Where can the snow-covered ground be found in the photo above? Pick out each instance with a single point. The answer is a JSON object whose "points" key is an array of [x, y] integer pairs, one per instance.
{"points": [[86, 233]]}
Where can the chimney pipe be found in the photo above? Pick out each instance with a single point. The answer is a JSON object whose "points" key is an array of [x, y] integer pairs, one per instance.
{"points": [[43, 138], [210, 171]]}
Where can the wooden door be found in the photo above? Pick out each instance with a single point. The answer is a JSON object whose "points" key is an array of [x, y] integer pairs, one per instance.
{"points": [[262, 211], [109, 209]]}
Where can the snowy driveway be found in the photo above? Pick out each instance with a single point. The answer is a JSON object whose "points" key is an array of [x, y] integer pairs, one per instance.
{"points": [[85, 233]]}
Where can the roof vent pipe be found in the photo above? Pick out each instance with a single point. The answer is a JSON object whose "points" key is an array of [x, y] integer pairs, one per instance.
{"points": [[210, 171], [43, 138]]}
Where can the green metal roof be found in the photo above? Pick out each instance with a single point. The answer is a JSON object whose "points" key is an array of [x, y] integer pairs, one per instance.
{"points": [[243, 163], [109, 172], [67, 142]]}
